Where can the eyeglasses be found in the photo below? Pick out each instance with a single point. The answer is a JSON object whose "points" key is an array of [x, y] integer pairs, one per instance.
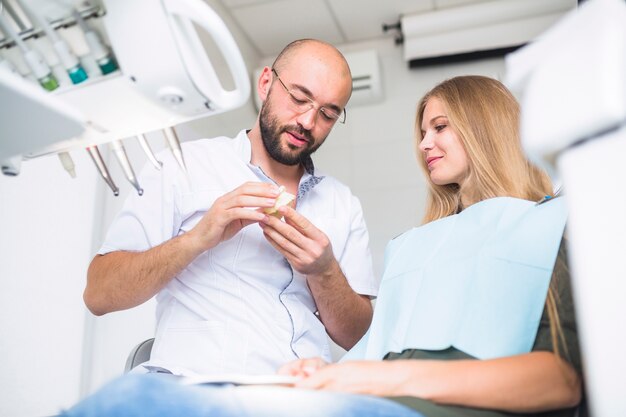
{"points": [[303, 103]]}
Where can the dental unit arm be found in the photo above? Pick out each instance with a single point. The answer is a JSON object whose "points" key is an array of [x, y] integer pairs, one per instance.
{"points": [[165, 78], [572, 87]]}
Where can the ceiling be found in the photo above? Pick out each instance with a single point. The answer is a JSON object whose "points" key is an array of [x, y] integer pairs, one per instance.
{"points": [[271, 24]]}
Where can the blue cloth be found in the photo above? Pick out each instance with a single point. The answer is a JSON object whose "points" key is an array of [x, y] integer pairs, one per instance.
{"points": [[476, 281], [153, 395]]}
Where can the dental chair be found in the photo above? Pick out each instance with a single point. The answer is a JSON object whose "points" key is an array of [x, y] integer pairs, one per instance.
{"points": [[139, 354]]}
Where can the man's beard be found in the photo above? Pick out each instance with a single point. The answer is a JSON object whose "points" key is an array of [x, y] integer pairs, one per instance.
{"points": [[270, 134]]}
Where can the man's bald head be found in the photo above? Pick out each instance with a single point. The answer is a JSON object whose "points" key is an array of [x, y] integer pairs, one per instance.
{"points": [[313, 49], [304, 93]]}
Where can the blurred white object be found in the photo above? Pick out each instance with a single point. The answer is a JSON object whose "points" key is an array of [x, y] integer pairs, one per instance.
{"points": [[480, 28], [577, 71], [31, 117], [572, 84], [7, 65]]}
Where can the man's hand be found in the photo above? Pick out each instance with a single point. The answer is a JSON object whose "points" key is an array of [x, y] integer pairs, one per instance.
{"points": [[232, 212], [125, 279], [307, 248], [345, 314]]}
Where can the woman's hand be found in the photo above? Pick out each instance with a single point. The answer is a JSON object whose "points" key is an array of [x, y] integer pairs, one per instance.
{"points": [[303, 367], [527, 383], [382, 378]]}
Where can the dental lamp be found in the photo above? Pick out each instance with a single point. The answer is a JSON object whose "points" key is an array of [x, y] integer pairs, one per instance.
{"points": [[165, 78]]}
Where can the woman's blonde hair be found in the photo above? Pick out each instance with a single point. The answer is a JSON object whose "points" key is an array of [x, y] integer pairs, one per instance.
{"points": [[485, 116]]}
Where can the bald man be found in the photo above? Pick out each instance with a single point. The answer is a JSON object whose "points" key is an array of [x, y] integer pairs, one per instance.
{"points": [[238, 290]]}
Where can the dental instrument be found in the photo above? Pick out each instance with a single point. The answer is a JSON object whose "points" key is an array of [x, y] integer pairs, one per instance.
{"points": [[94, 152], [34, 59], [141, 138], [68, 163], [120, 153], [69, 61], [174, 144], [100, 52]]}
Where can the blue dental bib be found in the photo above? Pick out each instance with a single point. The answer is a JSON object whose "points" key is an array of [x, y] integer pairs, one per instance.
{"points": [[476, 281]]}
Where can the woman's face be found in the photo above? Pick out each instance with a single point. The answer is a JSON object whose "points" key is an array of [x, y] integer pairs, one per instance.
{"points": [[441, 148]]}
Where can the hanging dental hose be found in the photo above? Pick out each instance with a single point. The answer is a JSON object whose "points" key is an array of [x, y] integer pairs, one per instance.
{"points": [[102, 168], [35, 61], [16, 18], [69, 61], [120, 153], [103, 56]]}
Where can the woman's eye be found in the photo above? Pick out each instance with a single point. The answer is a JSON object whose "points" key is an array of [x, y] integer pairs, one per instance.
{"points": [[439, 128]]}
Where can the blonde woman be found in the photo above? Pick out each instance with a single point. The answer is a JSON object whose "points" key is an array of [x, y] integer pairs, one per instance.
{"points": [[468, 144], [474, 315]]}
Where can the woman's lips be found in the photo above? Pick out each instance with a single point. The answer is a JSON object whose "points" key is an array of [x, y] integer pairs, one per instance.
{"points": [[433, 159]]}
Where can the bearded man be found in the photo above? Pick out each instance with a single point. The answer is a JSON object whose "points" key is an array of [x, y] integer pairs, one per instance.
{"points": [[238, 290]]}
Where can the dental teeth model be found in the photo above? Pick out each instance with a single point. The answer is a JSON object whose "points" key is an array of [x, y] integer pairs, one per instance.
{"points": [[283, 199]]}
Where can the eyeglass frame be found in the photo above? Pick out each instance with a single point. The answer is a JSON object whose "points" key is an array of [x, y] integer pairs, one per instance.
{"points": [[313, 103]]}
